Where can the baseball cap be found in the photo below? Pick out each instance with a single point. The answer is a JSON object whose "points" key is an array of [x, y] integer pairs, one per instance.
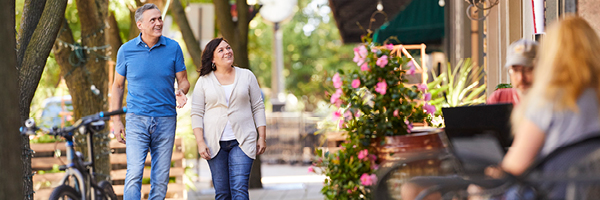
{"points": [[521, 52]]}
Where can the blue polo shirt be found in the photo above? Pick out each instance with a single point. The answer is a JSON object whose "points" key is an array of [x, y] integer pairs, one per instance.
{"points": [[150, 74]]}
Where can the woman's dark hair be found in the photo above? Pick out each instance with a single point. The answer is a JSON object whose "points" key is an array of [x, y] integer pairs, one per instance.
{"points": [[207, 56]]}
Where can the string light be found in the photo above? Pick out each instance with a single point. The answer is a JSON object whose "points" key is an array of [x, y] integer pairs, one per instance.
{"points": [[85, 48]]}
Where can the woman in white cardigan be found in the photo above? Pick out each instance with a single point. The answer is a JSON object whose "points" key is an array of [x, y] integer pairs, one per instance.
{"points": [[227, 112]]}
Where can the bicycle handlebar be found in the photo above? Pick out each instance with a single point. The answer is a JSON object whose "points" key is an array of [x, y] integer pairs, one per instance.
{"points": [[30, 126], [114, 112]]}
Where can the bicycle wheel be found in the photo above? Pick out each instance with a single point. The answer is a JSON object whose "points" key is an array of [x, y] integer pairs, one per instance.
{"points": [[109, 192], [64, 192]]}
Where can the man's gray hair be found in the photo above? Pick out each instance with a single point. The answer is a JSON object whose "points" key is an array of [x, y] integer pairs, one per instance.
{"points": [[141, 10]]}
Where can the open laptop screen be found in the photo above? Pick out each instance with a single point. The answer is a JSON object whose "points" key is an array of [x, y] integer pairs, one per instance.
{"points": [[478, 120], [479, 135]]}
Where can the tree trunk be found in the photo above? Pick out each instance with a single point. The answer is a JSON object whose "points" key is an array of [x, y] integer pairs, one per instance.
{"points": [[236, 32], [113, 37], [133, 29], [86, 101], [86, 75], [10, 159], [256, 174], [193, 46], [34, 56]]}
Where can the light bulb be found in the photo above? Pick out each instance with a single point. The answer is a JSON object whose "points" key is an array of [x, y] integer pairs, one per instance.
{"points": [[442, 3]]}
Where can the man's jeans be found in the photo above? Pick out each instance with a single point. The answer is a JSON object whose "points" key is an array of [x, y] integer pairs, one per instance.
{"points": [[230, 171], [156, 134]]}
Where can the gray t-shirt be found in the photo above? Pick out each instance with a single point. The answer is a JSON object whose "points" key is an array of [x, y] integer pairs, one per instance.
{"points": [[566, 127]]}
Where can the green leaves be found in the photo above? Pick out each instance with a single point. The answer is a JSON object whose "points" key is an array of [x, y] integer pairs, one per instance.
{"points": [[381, 106], [461, 86]]}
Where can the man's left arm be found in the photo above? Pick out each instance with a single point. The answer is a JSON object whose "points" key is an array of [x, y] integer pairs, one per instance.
{"points": [[183, 87]]}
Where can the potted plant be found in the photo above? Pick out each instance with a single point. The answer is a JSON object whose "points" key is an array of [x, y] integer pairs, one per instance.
{"points": [[375, 107], [459, 86]]}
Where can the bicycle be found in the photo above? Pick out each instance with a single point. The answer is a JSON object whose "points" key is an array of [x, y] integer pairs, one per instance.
{"points": [[78, 182]]}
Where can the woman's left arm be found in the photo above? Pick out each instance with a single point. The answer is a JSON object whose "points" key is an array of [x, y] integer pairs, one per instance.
{"points": [[256, 102], [261, 144], [529, 140], [258, 114]]}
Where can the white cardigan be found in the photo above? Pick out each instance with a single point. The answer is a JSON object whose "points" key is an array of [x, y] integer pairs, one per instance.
{"points": [[246, 111]]}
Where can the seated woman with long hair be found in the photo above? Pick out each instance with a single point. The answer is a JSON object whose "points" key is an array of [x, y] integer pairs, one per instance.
{"points": [[560, 109]]}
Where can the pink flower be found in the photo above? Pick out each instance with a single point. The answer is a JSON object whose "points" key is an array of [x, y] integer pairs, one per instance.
{"points": [[381, 87], [336, 115], [335, 97], [422, 87], [373, 157], [374, 50], [357, 59], [348, 115], [338, 103], [374, 167], [341, 123], [357, 114], [364, 67], [368, 180], [381, 62], [349, 191], [362, 50], [389, 46], [411, 70], [355, 83], [430, 109], [310, 169], [427, 97], [337, 80], [395, 113], [408, 125], [363, 154]]}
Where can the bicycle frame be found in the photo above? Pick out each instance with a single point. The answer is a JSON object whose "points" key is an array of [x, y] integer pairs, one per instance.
{"points": [[75, 167], [82, 172]]}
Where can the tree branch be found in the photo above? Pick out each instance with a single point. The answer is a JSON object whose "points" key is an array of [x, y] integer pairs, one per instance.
{"points": [[32, 11], [38, 50], [193, 46]]}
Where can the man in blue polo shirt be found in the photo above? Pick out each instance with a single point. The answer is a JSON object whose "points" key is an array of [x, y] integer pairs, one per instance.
{"points": [[151, 63]]}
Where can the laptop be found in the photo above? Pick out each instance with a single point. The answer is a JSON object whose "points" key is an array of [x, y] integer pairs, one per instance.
{"points": [[478, 135]]}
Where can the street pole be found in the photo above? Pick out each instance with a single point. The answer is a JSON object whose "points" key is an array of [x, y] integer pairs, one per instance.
{"points": [[277, 79]]}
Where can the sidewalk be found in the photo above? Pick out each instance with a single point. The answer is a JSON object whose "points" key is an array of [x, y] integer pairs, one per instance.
{"points": [[279, 182]]}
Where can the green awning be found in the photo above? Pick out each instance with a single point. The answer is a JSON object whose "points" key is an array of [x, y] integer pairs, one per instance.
{"points": [[422, 21]]}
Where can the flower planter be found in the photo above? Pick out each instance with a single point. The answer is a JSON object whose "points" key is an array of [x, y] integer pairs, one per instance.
{"points": [[407, 156], [396, 148]]}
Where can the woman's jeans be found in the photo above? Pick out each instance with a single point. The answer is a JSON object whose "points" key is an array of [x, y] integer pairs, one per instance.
{"points": [[230, 171], [154, 134]]}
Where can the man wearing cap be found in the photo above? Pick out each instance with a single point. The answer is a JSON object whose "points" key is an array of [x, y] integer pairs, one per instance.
{"points": [[520, 63]]}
